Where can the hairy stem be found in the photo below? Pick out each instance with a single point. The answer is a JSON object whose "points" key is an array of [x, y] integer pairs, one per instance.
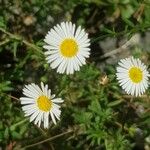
{"points": [[48, 139], [19, 38]]}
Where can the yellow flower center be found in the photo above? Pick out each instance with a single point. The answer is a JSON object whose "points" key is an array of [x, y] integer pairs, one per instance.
{"points": [[44, 103], [69, 47], [135, 74]]}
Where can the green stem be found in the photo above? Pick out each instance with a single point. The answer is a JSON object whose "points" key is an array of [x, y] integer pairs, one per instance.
{"points": [[18, 123], [19, 38], [4, 42]]}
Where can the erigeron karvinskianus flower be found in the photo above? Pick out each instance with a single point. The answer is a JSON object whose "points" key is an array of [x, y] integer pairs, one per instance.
{"points": [[39, 104], [67, 47], [133, 76]]}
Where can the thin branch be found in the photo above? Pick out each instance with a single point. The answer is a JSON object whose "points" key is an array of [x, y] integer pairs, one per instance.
{"points": [[19, 38], [137, 28], [4, 42], [19, 123], [118, 50], [147, 110], [13, 97], [13, 36], [121, 126], [45, 135], [49, 139], [142, 96]]}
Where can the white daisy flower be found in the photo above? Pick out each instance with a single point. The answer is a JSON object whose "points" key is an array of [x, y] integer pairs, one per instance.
{"points": [[67, 47], [39, 104], [133, 76]]}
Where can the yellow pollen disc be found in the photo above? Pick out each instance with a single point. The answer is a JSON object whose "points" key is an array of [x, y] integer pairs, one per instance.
{"points": [[135, 74], [69, 47], [44, 103]]}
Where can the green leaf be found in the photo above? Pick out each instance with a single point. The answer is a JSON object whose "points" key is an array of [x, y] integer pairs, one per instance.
{"points": [[6, 133], [15, 45], [95, 106], [2, 22], [83, 117], [106, 30], [16, 135], [128, 22], [5, 86], [115, 103], [126, 11], [1, 135]]}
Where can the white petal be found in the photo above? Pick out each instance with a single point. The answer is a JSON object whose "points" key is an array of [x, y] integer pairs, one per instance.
{"points": [[53, 118], [46, 120], [57, 100], [34, 115]]}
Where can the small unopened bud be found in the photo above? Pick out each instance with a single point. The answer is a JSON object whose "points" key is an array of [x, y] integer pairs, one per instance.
{"points": [[104, 80], [29, 20]]}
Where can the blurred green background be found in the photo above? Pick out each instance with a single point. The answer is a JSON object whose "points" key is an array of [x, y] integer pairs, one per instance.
{"points": [[96, 113]]}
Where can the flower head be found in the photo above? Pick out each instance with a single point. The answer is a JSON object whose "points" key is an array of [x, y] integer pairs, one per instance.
{"points": [[39, 104], [133, 76], [67, 47]]}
